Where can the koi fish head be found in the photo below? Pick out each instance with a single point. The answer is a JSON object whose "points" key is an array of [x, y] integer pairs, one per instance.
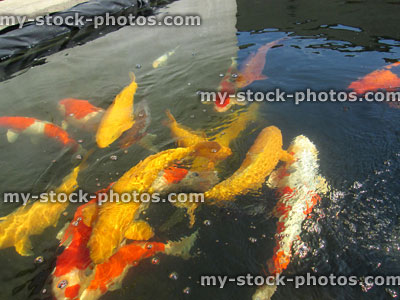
{"points": [[212, 150], [222, 102]]}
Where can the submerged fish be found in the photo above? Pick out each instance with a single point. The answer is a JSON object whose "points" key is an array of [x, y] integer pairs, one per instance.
{"points": [[250, 71], [162, 60], [260, 161], [80, 114], [139, 128], [383, 79], [118, 118], [109, 275], [299, 187], [36, 128], [227, 89], [34, 218], [188, 138], [253, 67]]}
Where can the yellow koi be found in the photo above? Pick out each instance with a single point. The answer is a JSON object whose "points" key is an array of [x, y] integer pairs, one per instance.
{"points": [[118, 118], [34, 218], [260, 161]]}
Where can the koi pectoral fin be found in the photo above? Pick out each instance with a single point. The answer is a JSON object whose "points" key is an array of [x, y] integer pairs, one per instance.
{"points": [[181, 248], [261, 77], [190, 209], [148, 142], [12, 136], [23, 247], [139, 231]]}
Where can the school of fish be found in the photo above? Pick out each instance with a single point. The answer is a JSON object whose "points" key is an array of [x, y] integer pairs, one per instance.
{"points": [[103, 241]]}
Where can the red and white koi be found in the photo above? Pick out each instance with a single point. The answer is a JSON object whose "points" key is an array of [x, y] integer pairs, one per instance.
{"points": [[75, 277], [36, 128], [299, 187]]}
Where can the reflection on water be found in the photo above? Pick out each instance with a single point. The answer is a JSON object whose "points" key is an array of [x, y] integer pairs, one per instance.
{"points": [[354, 230]]}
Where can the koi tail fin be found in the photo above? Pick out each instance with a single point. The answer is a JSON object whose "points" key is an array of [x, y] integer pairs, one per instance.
{"points": [[265, 292], [171, 118], [261, 77], [23, 247], [132, 76], [181, 248]]}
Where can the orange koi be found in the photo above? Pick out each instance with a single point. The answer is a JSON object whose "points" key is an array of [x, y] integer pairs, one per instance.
{"points": [[252, 70], [382, 79], [253, 67]]}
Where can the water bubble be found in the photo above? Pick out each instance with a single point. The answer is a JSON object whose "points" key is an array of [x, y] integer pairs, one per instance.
{"points": [[204, 110], [155, 260], [214, 150], [207, 222], [78, 157], [221, 75], [80, 141], [252, 240], [39, 260], [98, 184], [189, 83], [62, 284], [149, 246], [234, 75], [113, 157], [71, 115], [126, 151], [141, 115], [135, 263], [186, 290], [138, 66], [192, 116], [44, 291], [173, 276]]}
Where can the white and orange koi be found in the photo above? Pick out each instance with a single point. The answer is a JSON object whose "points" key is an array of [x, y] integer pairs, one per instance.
{"points": [[36, 128]]}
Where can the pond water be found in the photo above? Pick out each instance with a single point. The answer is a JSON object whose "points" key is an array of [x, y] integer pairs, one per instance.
{"points": [[354, 230]]}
